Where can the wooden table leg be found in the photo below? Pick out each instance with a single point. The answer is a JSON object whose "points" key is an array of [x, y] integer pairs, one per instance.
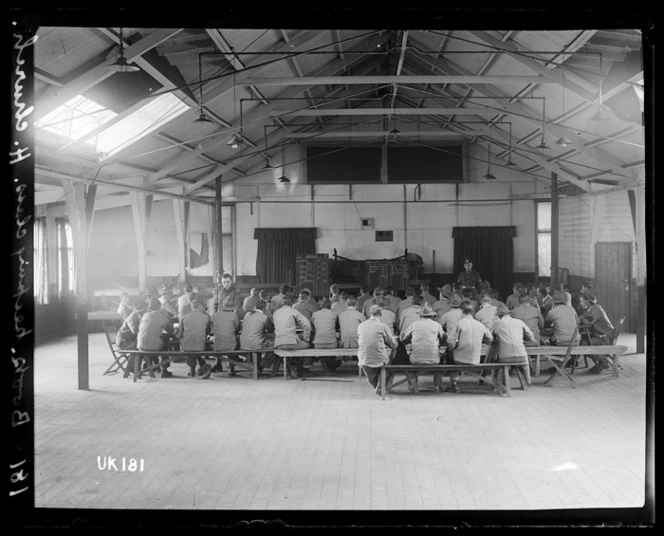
{"points": [[255, 356], [382, 383], [137, 365], [285, 368], [537, 365], [506, 375], [616, 366]]}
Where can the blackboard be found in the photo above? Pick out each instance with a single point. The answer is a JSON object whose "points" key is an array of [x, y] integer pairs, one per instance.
{"points": [[343, 164], [417, 164], [313, 272], [387, 273]]}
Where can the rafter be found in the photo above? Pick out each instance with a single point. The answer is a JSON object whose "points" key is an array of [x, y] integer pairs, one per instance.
{"points": [[97, 74]]}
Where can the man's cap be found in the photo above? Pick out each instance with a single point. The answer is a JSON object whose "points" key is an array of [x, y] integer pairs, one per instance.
{"points": [[455, 301], [383, 301], [426, 310], [467, 260], [502, 309], [203, 372], [558, 297], [155, 304]]}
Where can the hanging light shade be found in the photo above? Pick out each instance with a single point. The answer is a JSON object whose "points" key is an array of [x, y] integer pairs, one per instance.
{"points": [[202, 118], [267, 163], [120, 65], [235, 141], [563, 141], [283, 179]]}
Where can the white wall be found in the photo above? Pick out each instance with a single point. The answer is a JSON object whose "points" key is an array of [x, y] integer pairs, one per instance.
{"points": [[429, 219], [588, 219]]}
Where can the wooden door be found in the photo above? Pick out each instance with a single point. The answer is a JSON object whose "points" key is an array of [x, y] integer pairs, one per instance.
{"points": [[613, 277]]}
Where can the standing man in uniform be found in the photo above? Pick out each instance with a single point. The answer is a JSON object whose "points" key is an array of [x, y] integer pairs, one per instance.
{"points": [[470, 278]]}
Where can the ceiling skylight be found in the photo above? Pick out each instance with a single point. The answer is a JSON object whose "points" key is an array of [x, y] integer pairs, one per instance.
{"points": [[80, 116], [140, 123], [76, 118]]}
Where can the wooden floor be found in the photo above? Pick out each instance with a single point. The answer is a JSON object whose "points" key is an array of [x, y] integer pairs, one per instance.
{"points": [[331, 444]]}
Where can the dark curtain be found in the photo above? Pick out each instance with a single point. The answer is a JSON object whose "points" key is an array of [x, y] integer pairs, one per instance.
{"points": [[277, 252], [492, 252]]}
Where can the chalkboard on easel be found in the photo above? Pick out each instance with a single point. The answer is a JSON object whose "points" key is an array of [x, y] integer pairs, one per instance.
{"points": [[313, 272], [386, 273]]}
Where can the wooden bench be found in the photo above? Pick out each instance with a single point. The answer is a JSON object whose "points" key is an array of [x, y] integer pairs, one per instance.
{"points": [[471, 370], [168, 356], [564, 354], [315, 353]]}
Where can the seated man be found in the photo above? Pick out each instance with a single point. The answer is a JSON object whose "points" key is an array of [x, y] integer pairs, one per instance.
{"points": [[451, 317], [365, 294], [325, 323], [128, 332], [277, 300], [394, 300], [599, 326], [387, 317], [225, 326], [374, 339], [193, 330], [340, 306], [405, 304], [443, 304], [425, 337], [334, 293], [124, 309], [513, 299], [258, 334], [150, 329], [304, 304], [424, 291], [168, 303], [531, 317], [464, 343], [349, 321], [563, 319], [184, 301], [286, 321], [487, 313], [510, 333], [377, 293], [250, 301], [410, 315], [545, 299]]}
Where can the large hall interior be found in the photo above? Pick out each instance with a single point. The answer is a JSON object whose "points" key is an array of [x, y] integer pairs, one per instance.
{"points": [[232, 166]]}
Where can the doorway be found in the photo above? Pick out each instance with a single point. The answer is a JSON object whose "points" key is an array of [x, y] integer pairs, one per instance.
{"points": [[613, 279]]}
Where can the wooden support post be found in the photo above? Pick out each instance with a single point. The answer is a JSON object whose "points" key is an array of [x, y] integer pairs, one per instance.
{"points": [[555, 230], [217, 209], [138, 210], [181, 212], [75, 200], [90, 196]]}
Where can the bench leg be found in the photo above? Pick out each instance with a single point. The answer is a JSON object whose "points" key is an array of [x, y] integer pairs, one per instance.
{"points": [[285, 368], [255, 356], [138, 358], [506, 376]]}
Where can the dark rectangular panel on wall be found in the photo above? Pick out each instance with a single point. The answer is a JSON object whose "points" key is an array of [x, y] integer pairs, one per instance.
{"points": [[340, 164], [425, 163], [313, 273], [386, 273]]}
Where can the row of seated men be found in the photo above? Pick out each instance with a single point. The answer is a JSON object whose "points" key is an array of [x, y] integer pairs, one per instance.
{"points": [[256, 324]]}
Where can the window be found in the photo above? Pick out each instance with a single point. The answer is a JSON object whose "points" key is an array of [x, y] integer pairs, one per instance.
{"points": [[41, 262], [544, 239], [66, 261]]}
